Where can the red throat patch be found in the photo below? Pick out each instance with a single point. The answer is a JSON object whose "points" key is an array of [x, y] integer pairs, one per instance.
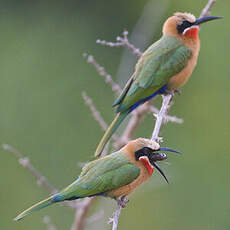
{"points": [[147, 164], [192, 32]]}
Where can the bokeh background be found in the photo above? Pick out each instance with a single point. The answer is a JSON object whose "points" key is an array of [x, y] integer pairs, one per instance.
{"points": [[42, 76]]}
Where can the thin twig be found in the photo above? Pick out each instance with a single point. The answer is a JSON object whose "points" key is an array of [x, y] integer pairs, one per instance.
{"points": [[207, 9], [95, 217], [41, 180], [168, 118], [81, 212], [96, 114], [122, 41], [160, 116], [121, 203], [135, 120], [47, 221], [25, 162], [146, 27], [101, 70], [132, 125], [116, 217]]}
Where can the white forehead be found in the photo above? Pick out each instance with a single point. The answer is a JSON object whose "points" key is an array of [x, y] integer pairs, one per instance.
{"points": [[148, 143], [185, 16]]}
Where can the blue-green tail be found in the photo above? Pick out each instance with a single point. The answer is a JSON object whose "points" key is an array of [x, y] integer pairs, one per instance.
{"points": [[110, 131], [38, 206]]}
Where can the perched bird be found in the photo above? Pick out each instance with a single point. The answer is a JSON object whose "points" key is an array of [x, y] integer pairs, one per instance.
{"points": [[165, 66], [114, 175]]}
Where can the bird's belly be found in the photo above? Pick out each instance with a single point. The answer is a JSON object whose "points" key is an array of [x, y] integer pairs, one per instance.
{"points": [[181, 78], [127, 189]]}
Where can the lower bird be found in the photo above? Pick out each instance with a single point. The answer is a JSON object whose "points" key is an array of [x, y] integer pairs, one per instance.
{"points": [[114, 175]]}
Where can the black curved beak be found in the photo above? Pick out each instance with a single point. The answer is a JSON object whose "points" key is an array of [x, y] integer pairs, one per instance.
{"points": [[169, 150], [205, 19], [160, 171]]}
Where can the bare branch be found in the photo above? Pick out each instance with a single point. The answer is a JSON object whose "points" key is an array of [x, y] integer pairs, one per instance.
{"points": [[207, 9], [146, 27], [122, 41], [95, 217], [132, 125], [168, 118], [81, 212], [160, 116], [121, 203], [47, 221], [96, 114], [101, 70], [25, 162], [41, 180], [135, 120]]}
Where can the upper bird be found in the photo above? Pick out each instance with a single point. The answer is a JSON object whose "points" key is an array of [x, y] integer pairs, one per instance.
{"points": [[165, 66], [115, 175]]}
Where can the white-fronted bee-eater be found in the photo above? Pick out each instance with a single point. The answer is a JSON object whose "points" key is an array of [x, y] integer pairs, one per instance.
{"points": [[165, 66], [114, 175]]}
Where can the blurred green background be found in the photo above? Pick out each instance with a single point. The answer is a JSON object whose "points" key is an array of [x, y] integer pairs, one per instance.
{"points": [[42, 76]]}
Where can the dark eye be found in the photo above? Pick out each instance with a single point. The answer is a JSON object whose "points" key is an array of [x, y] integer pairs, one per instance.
{"points": [[143, 152], [183, 26]]}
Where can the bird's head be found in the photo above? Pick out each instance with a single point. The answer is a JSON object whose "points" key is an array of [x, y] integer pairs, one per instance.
{"points": [[148, 152], [185, 25]]}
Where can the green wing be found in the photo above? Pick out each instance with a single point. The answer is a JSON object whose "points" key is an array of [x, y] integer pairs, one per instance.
{"points": [[154, 69], [102, 175]]}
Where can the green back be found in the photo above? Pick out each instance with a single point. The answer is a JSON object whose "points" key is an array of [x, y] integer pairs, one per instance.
{"points": [[102, 175], [161, 61]]}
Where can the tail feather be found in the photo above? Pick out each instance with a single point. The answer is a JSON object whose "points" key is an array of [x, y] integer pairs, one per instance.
{"points": [[36, 207], [110, 131]]}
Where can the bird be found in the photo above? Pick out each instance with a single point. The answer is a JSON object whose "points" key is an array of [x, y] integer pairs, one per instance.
{"points": [[114, 175], [164, 67]]}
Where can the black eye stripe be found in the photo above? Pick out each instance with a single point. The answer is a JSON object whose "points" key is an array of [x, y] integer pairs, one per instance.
{"points": [[143, 152], [185, 24]]}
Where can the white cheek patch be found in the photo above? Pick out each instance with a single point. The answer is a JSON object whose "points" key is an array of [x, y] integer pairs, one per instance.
{"points": [[189, 28], [147, 160]]}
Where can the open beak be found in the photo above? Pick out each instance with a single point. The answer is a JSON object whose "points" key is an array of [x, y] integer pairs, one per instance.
{"points": [[160, 170], [205, 19], [160, 157], [169, 150]]}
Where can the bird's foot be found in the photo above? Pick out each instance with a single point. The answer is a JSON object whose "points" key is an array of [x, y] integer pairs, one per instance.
{"points": [[169, 92], [122, 201], [178, 91], [172, 92]]}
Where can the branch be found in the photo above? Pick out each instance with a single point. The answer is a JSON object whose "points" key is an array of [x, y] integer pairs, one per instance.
{"points": [[47, 221], [207, 9], [160, 117], [122, 41], [81, 212], [132, 125], [41, 180], [96, 114], [120, 204], [101, 70], [95, 217], [25, 162]]}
